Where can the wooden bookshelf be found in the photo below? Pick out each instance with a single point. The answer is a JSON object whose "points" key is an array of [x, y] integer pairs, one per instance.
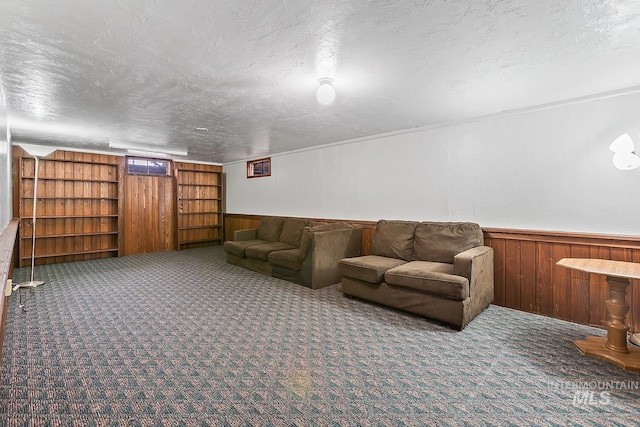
{"points": [[200, 204], [77, 206]]}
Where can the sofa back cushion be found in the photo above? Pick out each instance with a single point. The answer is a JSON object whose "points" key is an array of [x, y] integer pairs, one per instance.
{"points": [[316, 227], [292, 231], [270, 228], [394, 239], [441, 241]]}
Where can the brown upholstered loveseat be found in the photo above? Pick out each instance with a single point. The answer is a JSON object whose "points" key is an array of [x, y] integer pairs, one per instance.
{"points": [[438, 270], [295, 249]]}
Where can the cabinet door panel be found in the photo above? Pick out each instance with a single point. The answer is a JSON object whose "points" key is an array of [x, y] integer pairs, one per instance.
{"points": [[148, 214]]}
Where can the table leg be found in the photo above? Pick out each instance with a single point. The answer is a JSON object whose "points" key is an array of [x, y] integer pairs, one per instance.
{"points": [[614, 347], [617, 307]]}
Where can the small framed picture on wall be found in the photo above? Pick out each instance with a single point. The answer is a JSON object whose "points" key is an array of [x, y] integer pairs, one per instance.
{"points": [[259, 168]]}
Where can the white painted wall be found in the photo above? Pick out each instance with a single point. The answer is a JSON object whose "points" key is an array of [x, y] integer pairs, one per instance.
{"points": [[548, 169], [5, 166]]}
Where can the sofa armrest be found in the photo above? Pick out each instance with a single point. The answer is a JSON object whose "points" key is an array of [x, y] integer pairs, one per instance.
{"points": [[476, 264], [327, 249], [247, 234]]}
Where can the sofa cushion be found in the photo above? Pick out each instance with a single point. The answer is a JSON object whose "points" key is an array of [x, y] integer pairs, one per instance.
{"points": [[287, 259], [270, 228], [239, 248], [307, 232], [441, 241], [369, 268], [262, 251], [432, 277], [292, 231], [394, 239]]}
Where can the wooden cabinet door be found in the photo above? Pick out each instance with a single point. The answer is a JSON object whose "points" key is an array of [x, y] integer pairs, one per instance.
{"points": [[149, 214]]}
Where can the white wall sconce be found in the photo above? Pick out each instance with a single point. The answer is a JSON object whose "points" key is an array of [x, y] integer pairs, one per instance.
{"points": [[326, 93], [625, 157]]}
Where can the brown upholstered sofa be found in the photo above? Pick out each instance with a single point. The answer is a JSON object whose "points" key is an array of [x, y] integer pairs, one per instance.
{"points": [[295, 249], [438, 270]]}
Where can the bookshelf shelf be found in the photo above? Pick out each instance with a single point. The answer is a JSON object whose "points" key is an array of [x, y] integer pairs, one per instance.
{"points": [[199, 199], [77, 207]]}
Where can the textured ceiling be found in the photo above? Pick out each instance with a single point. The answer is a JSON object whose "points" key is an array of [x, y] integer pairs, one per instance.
{"points": [[81, 74]]}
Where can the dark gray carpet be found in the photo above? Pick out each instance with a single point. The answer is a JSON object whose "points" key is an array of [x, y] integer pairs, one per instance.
{"points": [[183, 339]]}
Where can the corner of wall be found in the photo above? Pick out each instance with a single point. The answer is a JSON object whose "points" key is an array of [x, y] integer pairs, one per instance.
{"points": [[5, 164]]}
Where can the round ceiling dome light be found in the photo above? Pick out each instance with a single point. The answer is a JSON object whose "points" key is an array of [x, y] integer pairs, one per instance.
{"points": [[326, 93]]}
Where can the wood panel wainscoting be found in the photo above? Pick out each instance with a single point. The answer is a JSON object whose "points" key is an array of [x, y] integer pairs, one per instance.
{"points": [[8, 253], [528, 279], [526, 275]]}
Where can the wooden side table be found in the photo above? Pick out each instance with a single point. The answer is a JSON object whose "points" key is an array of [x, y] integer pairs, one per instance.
{"points": [[614, 347]]}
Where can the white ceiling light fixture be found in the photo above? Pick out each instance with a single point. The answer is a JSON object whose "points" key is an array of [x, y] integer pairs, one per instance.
{"points": [[145, 153], [158, 151], [624, 158], [326, 93]]}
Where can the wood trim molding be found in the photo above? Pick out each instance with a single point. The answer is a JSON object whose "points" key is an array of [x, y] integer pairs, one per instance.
{"points": [[256, 217], [585, 239]]}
